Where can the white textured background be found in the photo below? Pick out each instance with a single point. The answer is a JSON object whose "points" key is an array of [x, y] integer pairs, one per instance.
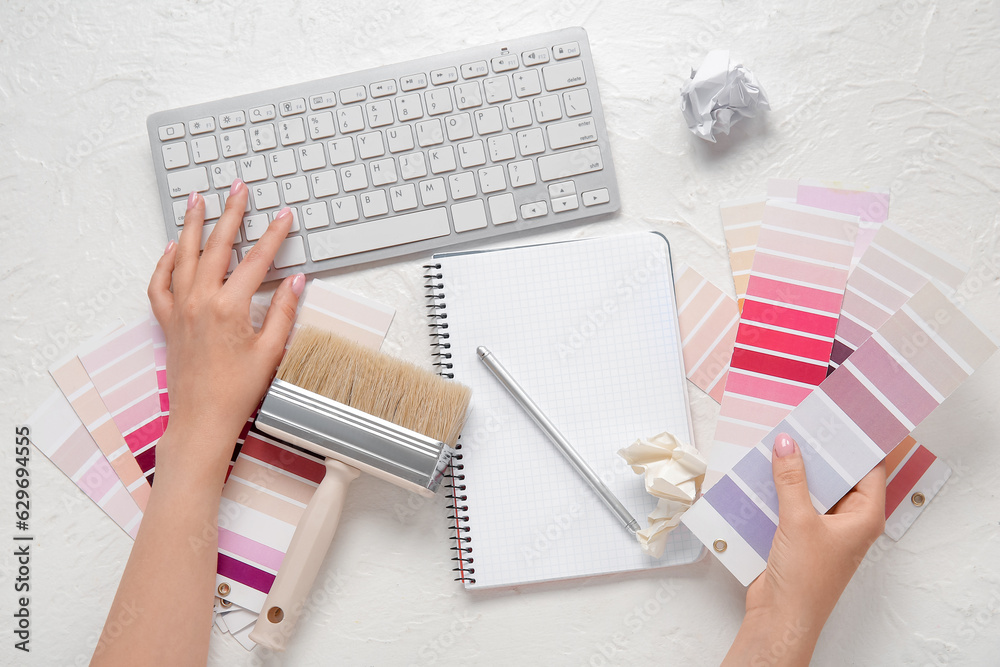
{"points": [[901, 93]]}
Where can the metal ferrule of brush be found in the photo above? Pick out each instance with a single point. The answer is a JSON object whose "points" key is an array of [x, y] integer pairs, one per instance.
{"points": [[374, 445]]}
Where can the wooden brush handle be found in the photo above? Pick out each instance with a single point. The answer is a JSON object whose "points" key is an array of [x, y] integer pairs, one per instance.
{"points": [[302, 561]]}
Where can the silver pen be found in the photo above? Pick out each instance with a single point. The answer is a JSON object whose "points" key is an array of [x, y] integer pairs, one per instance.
{"points": [[557, 438]]}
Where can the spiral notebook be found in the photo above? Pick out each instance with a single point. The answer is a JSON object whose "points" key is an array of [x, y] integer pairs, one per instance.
{"points": [[589, 329]]}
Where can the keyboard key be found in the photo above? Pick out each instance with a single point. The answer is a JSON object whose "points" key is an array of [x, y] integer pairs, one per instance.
{"points": [[262, 137], [429, 133], [408, 107], [292, 107], [373, 204], [213, 208], [175, 155], [180, 210], [469, 215], [295, 190], [282, 163], [223, 174], [292, 252], [534, 210], [371, 145], [201, 125], [262, 113], [383, 172], [399, 139], [431, 192], [322, 125], [355, 94], [561, 204], [265, 195], [463, 185], [295, 218], [497, 89], [350, 119], [324, 183], [234, 260], [438, 101], [471, 154], [577, 102], [491, 179], [354, 178], [322, 101], [344, 209], [232, 119], [254, 226], [403, 197], [476, 69], [595, 197], [517, 115], [535, 57], [530, 142], [341, 151], [442, 159], [173, 131], [397, 230], [502, 209], [413, 82], [315, 215], [383, 88], [547, 108], [234, 143], [572, 133], [564, 75], [379, 113], [446, 75], [292, 131], [501, 148], [311, 157], [468, 95], [459, 126], [567, 50], [570, 163], [521, 173], [253, 169], [562, 189], [183, 183], [488, 120], [504, 63], [412, 166], [225, 196], [204, 149], [526, 83]]}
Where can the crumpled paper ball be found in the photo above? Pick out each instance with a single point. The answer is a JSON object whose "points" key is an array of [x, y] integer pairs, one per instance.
{"points": [[674, 473], [719, 94]]}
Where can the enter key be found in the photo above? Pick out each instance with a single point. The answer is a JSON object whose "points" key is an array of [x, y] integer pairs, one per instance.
{"points": [[572, 133]]}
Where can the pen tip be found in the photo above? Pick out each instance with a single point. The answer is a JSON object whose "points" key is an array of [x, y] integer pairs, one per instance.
{"points": [[482, 351]]}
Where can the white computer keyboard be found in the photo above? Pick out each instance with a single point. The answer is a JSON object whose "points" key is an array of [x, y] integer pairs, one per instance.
{"points": [[401, 159]]}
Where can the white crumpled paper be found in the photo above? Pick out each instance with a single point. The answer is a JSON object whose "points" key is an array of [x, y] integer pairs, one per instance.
{"points": [[719, 94], [674, 473]]}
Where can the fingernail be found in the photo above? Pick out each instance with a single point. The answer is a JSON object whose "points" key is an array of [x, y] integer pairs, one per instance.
{"points": [[284, 213], [236, 187], [170, 246], [783, 445], [192, 200], [298, 284]]}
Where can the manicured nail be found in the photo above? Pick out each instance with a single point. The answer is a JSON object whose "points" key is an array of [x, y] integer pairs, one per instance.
{"points": [[236, 187], [284, 213], [170, 246], [192, 200], [783, 445], [298, 284]]}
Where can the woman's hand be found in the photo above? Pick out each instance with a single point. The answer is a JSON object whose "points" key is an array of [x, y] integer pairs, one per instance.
{"points": [[218, 368], [812, 559]]}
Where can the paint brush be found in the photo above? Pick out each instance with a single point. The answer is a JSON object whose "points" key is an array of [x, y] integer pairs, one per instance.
{"points": [[363, 411]]}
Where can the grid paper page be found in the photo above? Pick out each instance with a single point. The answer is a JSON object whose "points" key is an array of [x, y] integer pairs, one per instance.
{"points": [[589, 329]]}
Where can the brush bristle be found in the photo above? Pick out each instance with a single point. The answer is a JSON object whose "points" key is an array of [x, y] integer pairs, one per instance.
{"points": [[383, 386]]}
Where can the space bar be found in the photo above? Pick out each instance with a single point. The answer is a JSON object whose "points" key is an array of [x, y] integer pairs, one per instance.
{"points": [[375, 234]]}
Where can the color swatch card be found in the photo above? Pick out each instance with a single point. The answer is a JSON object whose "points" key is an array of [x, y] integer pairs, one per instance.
{"points": [[858, 415], [741, 225], [160, 361], [56, 430], [786, 329], [871, 205], [894, 266], [708, 318], [913, 477]]}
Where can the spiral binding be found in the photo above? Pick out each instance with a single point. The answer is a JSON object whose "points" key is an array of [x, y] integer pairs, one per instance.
{"points": [[455, 478]]}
